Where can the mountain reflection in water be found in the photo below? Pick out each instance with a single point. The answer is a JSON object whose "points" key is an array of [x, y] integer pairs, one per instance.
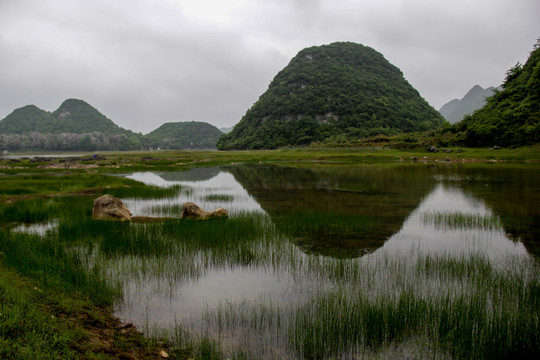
{"points": [[391, 196], [412, 206]]}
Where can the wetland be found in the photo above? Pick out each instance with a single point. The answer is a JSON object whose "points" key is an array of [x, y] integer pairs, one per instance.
{"points": [[316, 260]]}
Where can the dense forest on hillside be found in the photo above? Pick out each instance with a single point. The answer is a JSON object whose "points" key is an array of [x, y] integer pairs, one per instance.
{"points": [[511, 117], [76, 125], [330, 93], [73, 116], [183, 135]]}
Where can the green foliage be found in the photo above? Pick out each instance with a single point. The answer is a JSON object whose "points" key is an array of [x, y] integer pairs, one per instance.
{"points": [[341, 89], [75, 125], [511, 117], [26, 119], [76, 116], [183, 135], [73, 116]]}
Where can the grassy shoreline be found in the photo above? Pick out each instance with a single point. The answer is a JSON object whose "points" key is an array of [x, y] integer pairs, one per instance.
{"points": [[188, 159]]}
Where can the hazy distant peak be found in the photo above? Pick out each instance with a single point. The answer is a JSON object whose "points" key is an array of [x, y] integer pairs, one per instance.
{"points": [[475, 99], [476, 89]]}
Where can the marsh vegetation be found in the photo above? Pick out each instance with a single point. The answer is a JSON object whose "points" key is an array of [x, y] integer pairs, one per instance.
{"points": [[314, 262]]}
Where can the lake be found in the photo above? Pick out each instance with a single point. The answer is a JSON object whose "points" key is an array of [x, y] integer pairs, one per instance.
{"points": [[357, 261]]}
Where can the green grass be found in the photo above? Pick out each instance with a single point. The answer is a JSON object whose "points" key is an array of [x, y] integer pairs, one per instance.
{"points": [[37, 322], [355, 153], [219, 198], [47, 184], [49, 260], [461, 221], [29, 331]]}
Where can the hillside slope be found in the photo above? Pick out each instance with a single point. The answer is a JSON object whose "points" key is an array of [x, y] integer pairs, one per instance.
{"points": [[511, 117], [331, 92], [73, 116], [76, 125], [455, 110], [26, 119], [76, 116], [183, 135]]}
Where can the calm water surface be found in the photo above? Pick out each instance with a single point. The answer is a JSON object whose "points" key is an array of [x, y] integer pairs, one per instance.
{"points": [[403, 200]]}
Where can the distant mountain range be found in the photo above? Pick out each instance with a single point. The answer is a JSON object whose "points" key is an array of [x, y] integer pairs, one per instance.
{"points": [[76, 125], [455, 110]]}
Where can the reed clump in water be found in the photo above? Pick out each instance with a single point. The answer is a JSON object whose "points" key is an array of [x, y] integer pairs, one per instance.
{"points": [[461, 221], [436, 306]]}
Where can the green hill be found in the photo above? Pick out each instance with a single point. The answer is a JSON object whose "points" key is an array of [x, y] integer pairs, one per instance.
{"points": [[455, 110], [511, 117], [76, 125], [335, 92], [183, 135], [26, 119], [76, 116], [73, 116]]}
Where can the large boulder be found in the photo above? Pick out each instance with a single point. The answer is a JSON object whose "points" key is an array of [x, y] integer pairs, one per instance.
{"points": [[108, 207], [190, 210]]}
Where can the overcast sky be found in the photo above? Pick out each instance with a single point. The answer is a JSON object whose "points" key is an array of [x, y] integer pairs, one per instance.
{"points": [[146, 62]]}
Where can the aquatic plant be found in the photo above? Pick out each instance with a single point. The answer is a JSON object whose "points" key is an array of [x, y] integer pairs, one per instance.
{"points": [[459, 220], [446, 307], [219, 197]]}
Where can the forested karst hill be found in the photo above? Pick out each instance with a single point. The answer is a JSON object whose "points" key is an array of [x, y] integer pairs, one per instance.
{"points": [[76, 116], [331, 92], [77, 126], [183, 135], [73, 116], [511, 117], [454, 110]]}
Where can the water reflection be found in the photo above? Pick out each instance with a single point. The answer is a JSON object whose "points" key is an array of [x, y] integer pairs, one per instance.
{"points": [[400, 199], [384, 196], [420, 236], [162, 305], [391, 194], [209, 188], [36, 228], [394, 197]]}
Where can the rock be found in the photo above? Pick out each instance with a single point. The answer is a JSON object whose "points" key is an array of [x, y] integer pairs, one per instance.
{"points": [[108, 207], [164, 355], [448, 151], [190, 210], [432, 149]]}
